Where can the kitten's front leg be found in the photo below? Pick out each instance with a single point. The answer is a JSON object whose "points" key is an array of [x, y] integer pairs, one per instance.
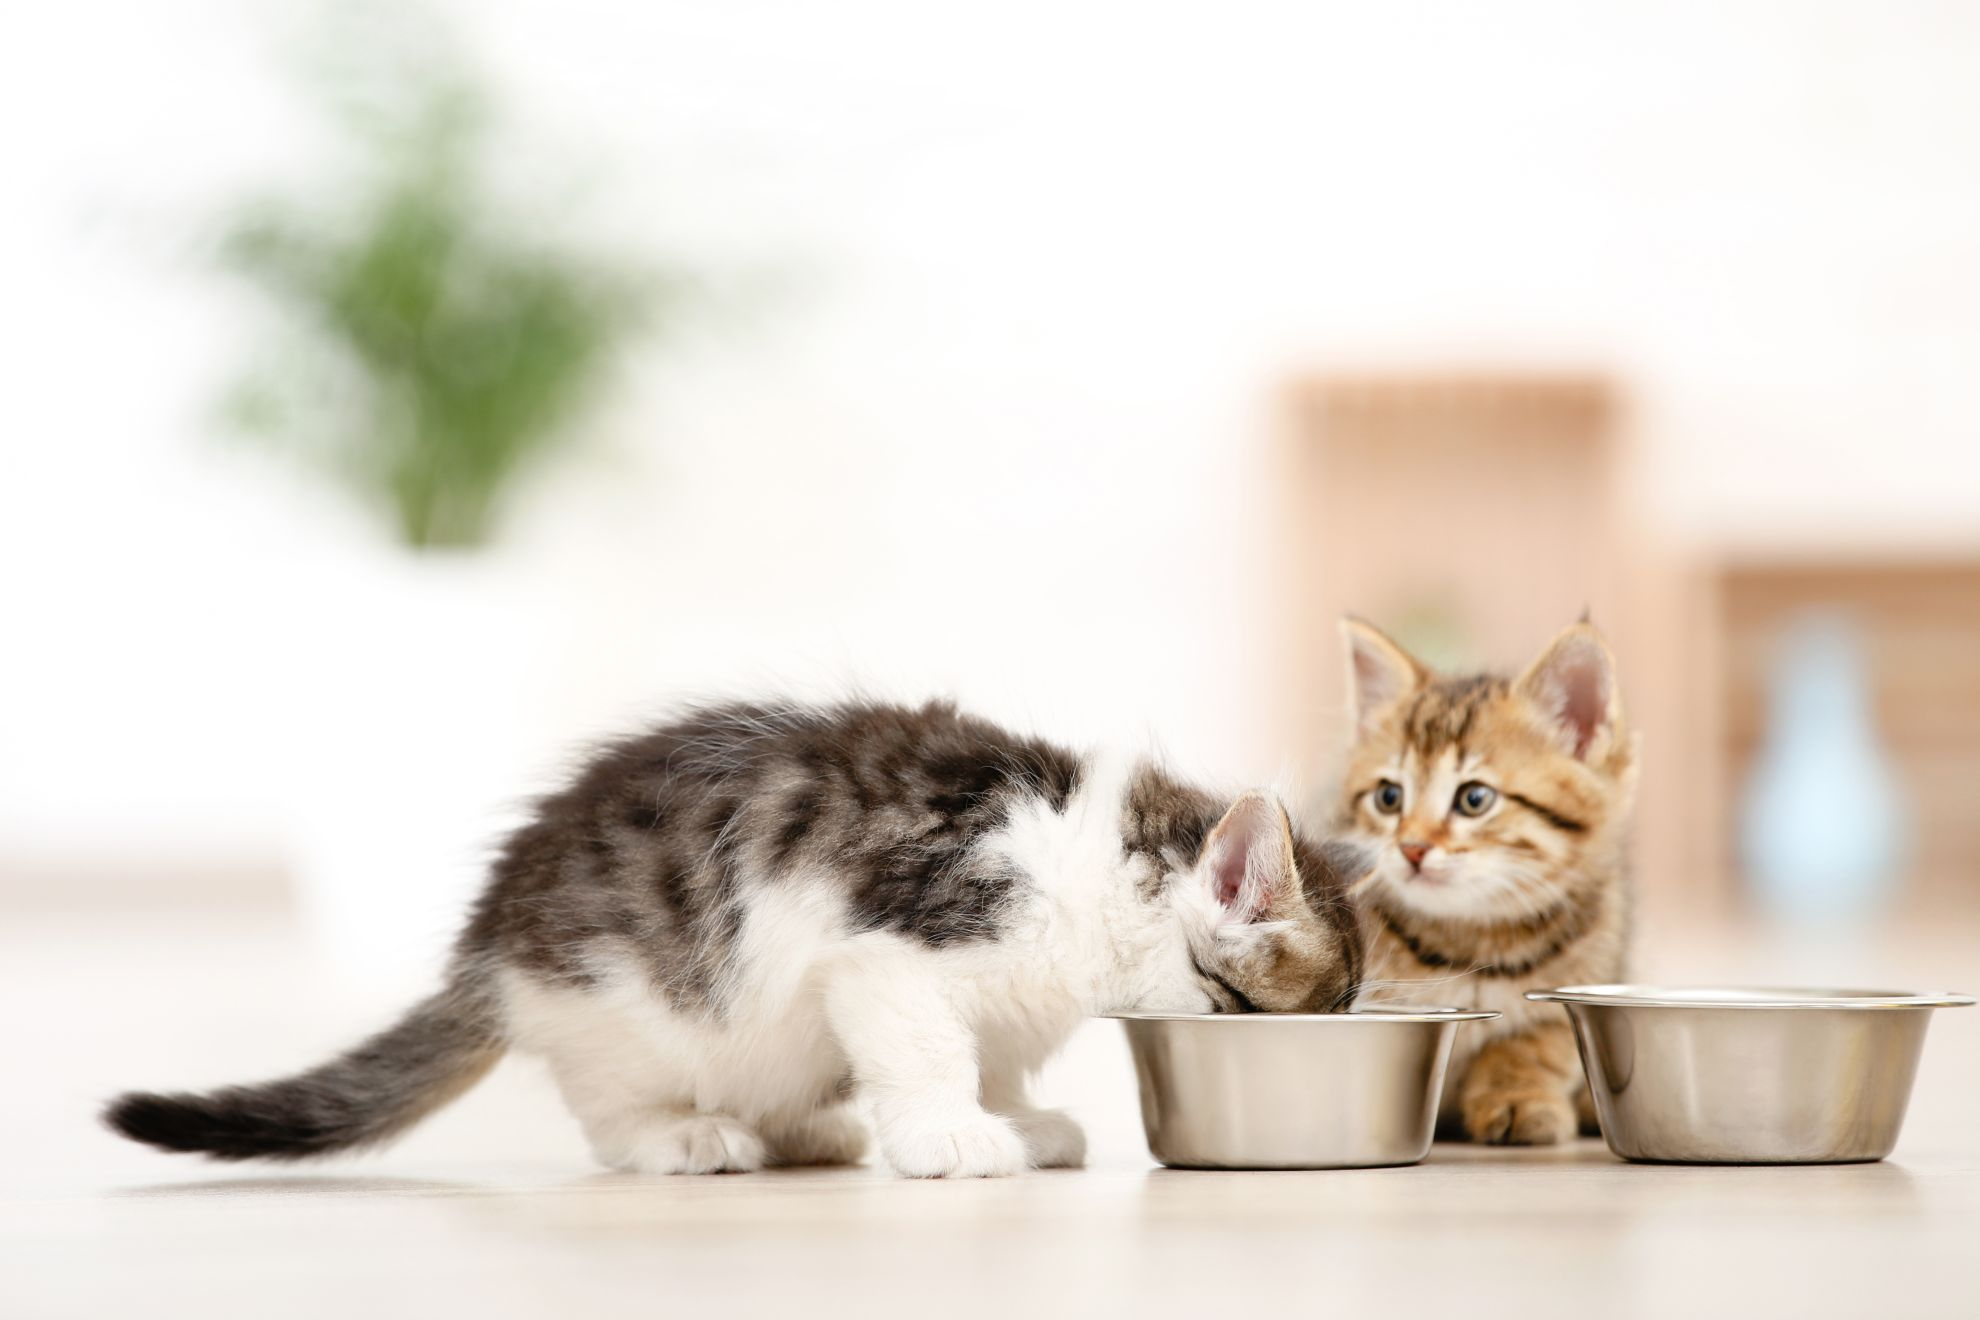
{"points": [[1520, 1090], [914, 1057]]}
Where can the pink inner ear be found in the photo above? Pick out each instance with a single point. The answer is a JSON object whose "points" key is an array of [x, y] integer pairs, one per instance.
{"points": [[1377, 679], [1242, 879], [1583, 683], [1228, 880]]}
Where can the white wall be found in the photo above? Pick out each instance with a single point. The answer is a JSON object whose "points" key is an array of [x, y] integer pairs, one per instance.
{"points": [[1002, 430]]}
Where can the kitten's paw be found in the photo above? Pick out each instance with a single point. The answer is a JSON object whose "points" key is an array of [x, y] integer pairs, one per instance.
{"points": [[979, 1145], [824, 1136], [1519, 1118], [691, 1143], [1051, 1139]]}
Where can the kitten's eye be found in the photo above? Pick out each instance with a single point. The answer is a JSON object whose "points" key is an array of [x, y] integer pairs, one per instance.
{"points": [[1388, 797], [1475, 799]]}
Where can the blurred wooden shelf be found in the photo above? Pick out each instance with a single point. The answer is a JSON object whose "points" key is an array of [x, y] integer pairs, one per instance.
{"points": [[1473, 514]]}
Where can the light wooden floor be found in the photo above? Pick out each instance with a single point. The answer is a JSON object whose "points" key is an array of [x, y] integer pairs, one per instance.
{"points": [[493, 1210]]}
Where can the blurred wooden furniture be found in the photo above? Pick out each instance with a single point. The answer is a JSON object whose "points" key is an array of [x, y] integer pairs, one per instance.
{"points": [[1473, 516], [1470, 516]]}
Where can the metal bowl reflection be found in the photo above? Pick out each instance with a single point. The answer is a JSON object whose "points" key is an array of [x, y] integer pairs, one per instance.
{"points": [[1292, 1090], [1724, 1075]]}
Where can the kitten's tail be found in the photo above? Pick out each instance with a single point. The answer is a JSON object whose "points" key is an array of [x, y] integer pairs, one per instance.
{"points": [[365, 1095]]}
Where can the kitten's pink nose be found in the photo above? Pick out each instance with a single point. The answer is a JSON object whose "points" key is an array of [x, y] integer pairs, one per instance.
{"points": [[1413, 853]]}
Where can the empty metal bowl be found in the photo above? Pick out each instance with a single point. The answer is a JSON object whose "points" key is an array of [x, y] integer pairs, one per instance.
{"points": [[1292, 1090], [1712, 1075]]}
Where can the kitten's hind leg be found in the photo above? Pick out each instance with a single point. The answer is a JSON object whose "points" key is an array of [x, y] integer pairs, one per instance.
{"points": [[670, 1141], [914, 1056], [637, 1127], [1052, 1140], [831, 1135]]}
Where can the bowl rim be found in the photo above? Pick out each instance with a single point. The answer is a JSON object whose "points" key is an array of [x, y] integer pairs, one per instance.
{"points": [[1365, 1013], [1770, 998]]}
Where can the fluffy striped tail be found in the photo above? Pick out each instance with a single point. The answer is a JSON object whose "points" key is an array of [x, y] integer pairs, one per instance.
{"points": [[365, 1095]]}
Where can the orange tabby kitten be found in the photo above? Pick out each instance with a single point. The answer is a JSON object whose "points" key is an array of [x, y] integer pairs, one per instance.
{"points": [[1498, 808]]}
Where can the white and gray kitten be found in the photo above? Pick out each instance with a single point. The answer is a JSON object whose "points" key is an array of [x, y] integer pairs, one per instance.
{"points": [[728, 927]]}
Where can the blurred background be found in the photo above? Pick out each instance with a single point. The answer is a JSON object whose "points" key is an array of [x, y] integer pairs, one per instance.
{"points": [[400, 399]]}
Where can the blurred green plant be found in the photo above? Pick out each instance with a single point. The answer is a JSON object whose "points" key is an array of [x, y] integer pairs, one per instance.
{"points": [[434, 348]]}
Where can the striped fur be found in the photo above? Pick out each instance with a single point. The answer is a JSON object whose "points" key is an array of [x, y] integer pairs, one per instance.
{"points": [[1499, 810]]}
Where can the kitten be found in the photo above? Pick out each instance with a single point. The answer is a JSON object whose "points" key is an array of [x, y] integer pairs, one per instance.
{"points": [[724, 928], [1498, 810]]}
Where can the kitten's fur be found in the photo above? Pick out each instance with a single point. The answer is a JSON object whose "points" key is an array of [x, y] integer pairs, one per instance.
{"points": [[1528, 893], [725, 927]]}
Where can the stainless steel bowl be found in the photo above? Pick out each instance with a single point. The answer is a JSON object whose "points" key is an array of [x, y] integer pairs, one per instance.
{"points": [[1292, 1090], [1712, 1075]]}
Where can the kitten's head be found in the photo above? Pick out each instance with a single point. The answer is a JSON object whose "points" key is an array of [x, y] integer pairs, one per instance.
{"points": [[1486, 798], [1267, 917]]}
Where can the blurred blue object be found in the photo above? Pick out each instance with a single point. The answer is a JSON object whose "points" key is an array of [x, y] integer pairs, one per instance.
{"points": [[1822, 831]]}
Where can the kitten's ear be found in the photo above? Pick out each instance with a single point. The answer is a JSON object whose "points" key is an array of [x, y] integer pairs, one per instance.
{"points": [[1574, 685], [1380, 673], [1247, 861]]}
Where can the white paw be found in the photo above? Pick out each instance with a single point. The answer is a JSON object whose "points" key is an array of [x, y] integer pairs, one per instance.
{"points": [[824, 1136], [690, 1143], [1051, 1139], [978, 1145]]}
